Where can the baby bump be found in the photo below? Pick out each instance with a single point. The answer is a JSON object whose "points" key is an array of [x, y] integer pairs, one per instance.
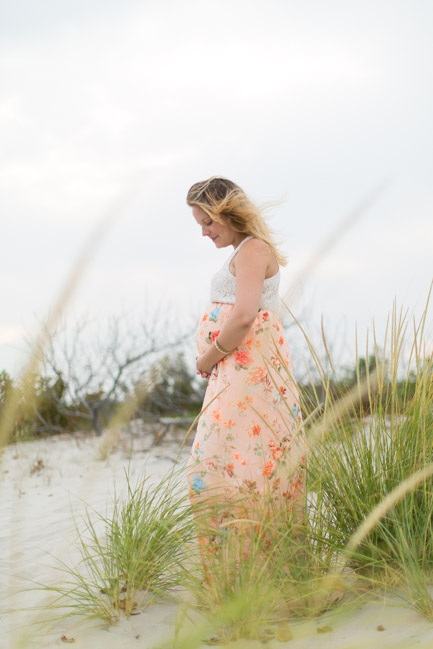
{"points": [[266, 327], [211, 323]]}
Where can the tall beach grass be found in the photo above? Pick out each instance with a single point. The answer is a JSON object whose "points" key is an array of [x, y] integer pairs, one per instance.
{"points": [[136, 555]]}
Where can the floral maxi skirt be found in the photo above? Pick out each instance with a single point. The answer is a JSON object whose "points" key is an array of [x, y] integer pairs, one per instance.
{"points": [[247, 454]]}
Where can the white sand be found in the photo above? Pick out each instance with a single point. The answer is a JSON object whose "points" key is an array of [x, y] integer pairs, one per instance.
{"points": [[44, 483]]}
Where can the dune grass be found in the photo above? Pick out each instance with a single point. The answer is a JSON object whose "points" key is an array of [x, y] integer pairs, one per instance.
{"points": [[135, 556], [354, 470]]}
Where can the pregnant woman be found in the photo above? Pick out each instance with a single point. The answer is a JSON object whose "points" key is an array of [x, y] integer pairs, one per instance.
{"points": [[246, 457]]}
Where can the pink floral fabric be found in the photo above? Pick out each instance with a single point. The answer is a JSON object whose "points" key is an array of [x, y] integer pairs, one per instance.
{"points": [[247, 444]]}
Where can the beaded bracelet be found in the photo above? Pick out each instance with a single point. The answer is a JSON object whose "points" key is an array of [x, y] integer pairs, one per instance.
{"points": [[220, 349]]}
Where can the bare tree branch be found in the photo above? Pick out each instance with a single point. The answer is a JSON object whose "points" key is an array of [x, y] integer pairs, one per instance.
{"points": [[99, 364]]}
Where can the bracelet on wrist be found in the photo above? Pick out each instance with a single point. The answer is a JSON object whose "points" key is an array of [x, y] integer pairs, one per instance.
{"points": [[219, 348]]}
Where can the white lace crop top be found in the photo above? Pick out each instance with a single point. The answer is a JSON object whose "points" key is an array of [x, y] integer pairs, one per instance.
{"points": [[223, 286]]}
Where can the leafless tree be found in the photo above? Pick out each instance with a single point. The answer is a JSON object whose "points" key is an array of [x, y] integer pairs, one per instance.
{"points": [[93, 364]]}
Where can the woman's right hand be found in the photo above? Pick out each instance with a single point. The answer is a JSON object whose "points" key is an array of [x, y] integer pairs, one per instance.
{"points": [[202, 369]]}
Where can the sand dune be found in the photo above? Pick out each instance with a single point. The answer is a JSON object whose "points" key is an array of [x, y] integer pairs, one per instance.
{"points": [[46, 484]]}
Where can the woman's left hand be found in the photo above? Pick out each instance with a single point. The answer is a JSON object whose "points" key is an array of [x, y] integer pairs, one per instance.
{"points": [[204, 368]]}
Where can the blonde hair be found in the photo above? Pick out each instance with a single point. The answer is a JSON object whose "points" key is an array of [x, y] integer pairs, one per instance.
{"points": [[226, 203]]}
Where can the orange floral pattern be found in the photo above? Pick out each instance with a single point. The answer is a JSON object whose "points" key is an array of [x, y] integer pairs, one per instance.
{"points": [[247, 440]]}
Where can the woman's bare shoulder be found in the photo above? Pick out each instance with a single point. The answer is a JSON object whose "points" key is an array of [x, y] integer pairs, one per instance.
{"points": [[254, 253], [257, 253], [255, 246]]}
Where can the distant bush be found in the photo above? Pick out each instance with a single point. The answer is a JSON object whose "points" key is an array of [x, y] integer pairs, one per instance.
{"points": [[337, 385], [46, 407], [171, 389]]}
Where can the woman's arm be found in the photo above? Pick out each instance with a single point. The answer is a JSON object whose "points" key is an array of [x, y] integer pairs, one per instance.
{"points": [[251, 263]]}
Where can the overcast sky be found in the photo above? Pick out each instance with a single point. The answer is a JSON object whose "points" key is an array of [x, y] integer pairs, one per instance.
{"points": [[313, 102]]}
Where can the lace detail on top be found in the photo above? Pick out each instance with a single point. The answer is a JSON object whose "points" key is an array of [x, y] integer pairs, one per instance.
{"points": [[223, 286]]}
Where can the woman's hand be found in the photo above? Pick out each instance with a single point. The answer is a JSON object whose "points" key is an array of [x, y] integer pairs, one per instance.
{"points": [[204, 367]]}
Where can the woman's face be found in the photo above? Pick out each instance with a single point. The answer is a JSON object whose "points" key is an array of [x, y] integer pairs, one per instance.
{"points": [[220, 234]]}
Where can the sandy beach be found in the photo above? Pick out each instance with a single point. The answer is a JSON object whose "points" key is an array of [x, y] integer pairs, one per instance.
{"points": [[48, 485]]}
